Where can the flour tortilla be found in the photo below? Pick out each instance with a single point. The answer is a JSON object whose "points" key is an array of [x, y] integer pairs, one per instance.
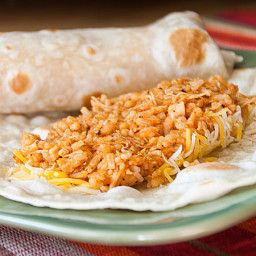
{"points": [[245, 78], [236, 167], [59, 70]]}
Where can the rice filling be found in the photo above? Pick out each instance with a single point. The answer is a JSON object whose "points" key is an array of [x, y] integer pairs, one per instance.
{"points": [[137, 138]]}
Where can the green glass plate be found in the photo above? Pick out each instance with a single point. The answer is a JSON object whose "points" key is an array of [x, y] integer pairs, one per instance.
{"points": [[120, 227], [249, 58]]}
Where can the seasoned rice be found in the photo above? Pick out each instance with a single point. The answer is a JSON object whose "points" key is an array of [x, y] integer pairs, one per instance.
{"points": [[130, 139]]}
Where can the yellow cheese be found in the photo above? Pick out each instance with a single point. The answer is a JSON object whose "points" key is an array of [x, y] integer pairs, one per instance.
{"points": [[180, 161], [239, 130], [52, 173], [167, 175], [22, 173], [210, 159], [65, 181], [164, 166], [203, 143], [18, 154], [188, 139], [221, 131], [197, 148], [196, 151], [23, 176], [65, 187]]}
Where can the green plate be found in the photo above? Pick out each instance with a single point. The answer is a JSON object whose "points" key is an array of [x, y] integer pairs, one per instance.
{"points": [[249, 58], [119, 227]]}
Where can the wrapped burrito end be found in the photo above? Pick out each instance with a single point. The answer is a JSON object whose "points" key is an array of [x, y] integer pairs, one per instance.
{"points": [[58, 70]]}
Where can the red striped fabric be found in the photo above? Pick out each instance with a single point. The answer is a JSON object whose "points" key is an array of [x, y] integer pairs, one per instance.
{"points": [[230, 33], [246, 17], [229, 38], [238, 240]]}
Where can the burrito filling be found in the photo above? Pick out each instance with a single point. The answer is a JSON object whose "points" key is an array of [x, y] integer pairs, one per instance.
{"points": [[138, 138]]}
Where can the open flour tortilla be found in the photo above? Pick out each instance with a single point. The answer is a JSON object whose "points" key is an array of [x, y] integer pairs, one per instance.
{"points": [[236, 167], [245, 78], [59, 70]]}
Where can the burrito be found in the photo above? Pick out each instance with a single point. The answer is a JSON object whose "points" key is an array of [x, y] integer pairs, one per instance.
{"points": [[142, 141], [53, 70]]}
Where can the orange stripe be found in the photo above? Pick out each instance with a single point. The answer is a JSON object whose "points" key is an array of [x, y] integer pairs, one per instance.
{"points": [[103, 250], [249, 225]]}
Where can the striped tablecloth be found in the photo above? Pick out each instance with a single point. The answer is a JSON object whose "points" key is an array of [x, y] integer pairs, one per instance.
{"points": [[238, 240], [233, 29]]}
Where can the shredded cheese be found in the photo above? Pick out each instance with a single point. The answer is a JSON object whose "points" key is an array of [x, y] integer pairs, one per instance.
{"points": [[21, 173], [210, 159], [171, 162], [215, 133], [195, 151], [4, 170], [239, 130], [22, 176], [164, 166], [65, 186], [191, 149], [65, 181], [18, 154], [167, 174], [177, 153], [230, 122], [50, 174], [21, 169], [221, 131], [180, 161], [197, 148], [188, 139], [203, 144], [171, 171]]}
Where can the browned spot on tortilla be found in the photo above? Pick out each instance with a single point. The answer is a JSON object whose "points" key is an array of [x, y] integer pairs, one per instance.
{"points": [[86, 100], [20, 83], [8, 47], [221, 166], [119, 79], [91, 51], [189, 46], [214, 166]]}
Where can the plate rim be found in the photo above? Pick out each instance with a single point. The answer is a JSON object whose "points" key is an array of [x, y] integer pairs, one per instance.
{"points": [[207, 225]]}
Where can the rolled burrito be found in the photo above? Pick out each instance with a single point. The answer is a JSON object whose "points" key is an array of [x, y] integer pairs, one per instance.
{"points": [[59, 70]]}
